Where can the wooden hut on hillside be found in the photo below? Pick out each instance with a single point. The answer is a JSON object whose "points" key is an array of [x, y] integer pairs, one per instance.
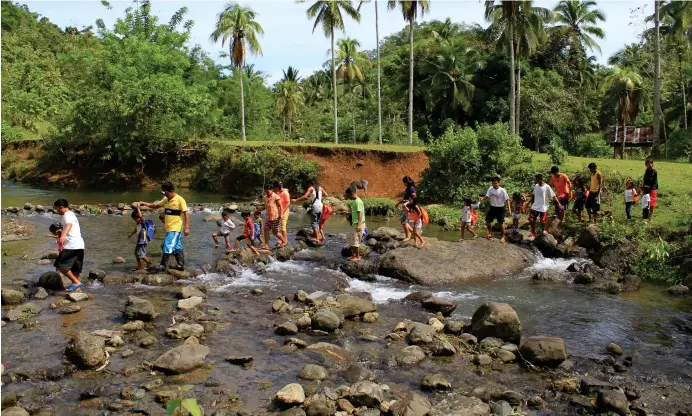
{"points": [[623, 137]]}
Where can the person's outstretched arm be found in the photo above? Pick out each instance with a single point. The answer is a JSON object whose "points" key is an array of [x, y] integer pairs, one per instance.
{"points": [[304, 197]]}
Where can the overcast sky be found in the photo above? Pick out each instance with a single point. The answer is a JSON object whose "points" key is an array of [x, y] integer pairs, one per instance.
{"points": [[288, 38]]}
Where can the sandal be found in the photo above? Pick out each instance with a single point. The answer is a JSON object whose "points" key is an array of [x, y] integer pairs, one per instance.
{"points": [[74, 286]]}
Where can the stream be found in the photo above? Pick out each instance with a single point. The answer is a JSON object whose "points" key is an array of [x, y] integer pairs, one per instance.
{"points": [[644, 323]]}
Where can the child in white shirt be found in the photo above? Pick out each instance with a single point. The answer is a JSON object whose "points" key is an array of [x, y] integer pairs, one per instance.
{"points": [[646, 202], [225, 230], [630, 198], [467, 218]]}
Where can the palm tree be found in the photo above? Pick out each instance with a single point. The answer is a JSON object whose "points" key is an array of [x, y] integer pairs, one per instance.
{"points": [[351, 63], [444, 32], [624, 91], [237, 26], [329, 14], [657, 80], [409, 10], [289, 100], [449, 75], [579, 19], [291, 74], [379, 88], [318, 86]]}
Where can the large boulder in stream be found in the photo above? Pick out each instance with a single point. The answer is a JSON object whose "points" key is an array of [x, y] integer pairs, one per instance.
{"points": [[443, 262], [86, 350], [138, 309], [498, 320], [363, 269], [182, 359], [617, 257], [544, 351], [53, 281]]}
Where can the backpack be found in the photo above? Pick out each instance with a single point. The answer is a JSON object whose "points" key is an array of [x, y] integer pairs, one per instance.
{"points": [[150, 230], [424, 215], [474, 217]]}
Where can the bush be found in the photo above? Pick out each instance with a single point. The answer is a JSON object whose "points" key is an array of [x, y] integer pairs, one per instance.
{"points": [[463, 160], [680, 142], [558, 155], [654, 263], [592, 145], [9, 134], [379, 206]]}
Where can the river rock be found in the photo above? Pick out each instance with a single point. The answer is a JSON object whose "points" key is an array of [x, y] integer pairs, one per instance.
{"points": [[40, 293], [86, 351], [459, 405], [501, 408], [133, 326], [158, 280], [77, 297], [304, 322], [611, 287], [290, 395], [418, 297], [53, 281], [325, 320], [310, 255], [547, 245], [313, 372], [363, 250], [119, 260], [365, 393], [443, 349], [421, 334], [454, 327], [589, 239], [15, 411], [442, 262], [190, 303], [286, 328], [69, 309], [371, 317], [678, 290], [491, 343], [494, 319], [179, 274], [240, 359], [617, 257], [544, 351], [614, 349], [301, 296], [613, 401], [411, 404], [630, 283], [363, 270], [505, 356], [547, 276], [12, 297], [386, 233], [351, 306], [51, 255], [44, 262], [279, 306], [213, 217], [182, 359], [183, 330], [434, 382], [435, 323], [410, 355], [190, 291], [436, 304], [583, 278], [138, 309], [96, 274]]}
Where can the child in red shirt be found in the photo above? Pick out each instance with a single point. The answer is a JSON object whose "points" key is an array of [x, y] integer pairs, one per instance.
{"points": [[248, 234]]}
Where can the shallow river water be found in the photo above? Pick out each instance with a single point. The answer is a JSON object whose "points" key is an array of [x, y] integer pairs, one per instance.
{"points": [[644, 323]]}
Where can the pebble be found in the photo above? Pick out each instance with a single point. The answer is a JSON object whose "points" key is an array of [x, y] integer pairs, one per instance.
{"points": [[128, 352], [483, 359], [118, 260], [371, 317], [77, 297], [614, 349], [133, 326], [153, 384]]}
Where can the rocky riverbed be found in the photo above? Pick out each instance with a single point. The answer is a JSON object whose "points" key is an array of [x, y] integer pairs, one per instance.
{"points": [[314, 335]]}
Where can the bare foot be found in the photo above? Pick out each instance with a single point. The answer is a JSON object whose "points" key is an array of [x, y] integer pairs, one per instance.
{"points": [[406, 239], [421, 244], [502, 240], [489, 236], [354, 258]]}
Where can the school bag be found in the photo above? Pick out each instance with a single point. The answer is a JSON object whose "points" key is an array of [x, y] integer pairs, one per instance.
{"points": [[150, 230], [474, 217], [424, 215]]}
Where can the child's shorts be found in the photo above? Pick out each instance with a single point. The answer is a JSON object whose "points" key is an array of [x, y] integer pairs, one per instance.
{"points": [[70, 260], [141, 251], [516, 216], [418, 224], [645, 213], [275, 225], [537, 215]]}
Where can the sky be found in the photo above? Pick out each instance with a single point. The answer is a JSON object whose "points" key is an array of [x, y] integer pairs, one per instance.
{"points": [[288, 38]]}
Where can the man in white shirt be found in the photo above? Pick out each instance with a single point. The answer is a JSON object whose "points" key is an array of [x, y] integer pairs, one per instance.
{"points": [[71, 258], [498, 198], [541, 196]]}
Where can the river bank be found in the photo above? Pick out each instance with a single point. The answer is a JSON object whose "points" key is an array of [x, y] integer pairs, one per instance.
{"points": [[237, 319]]}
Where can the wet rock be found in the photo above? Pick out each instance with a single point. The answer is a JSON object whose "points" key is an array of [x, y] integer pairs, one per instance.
{"points": [[51, 255], [418, 296], [182, 359], [535, 402], [614, 349], [128, 352], [138, 309], [212, 217], [12, 297], [632, 393], [179, 274], [290, 395], [15, 411], [304, 322], [483, 359], [257, 292], [514, 237], [498, 320], [133, 326], [69, 309], [240, 359], [491, 343], [547, 276], [443, 349], [386, 234], [678, 290], [547, 245], [565, 385], [294, 411], [301, 296], [612, 288], [86, 351], [153, 384], [630, 283], [190, 303], [435, 323], [436, 304], [544, 351], [285, 253], [584, 278], [191, 340], [44, 262], [190, 291], [618, 257], [118, 260], [567, 366], [183, 330], [501, 408], [410, 355], [310, 255], [613, 401], [325, 320], [313, 372], [279, 306], [411, 404], [53, 281], [454, 327], [459, 405], [296, 342], [158, 280], [96, 274], [40, 293], [363, 270], [589, 239], [434, 382], [77, 297], [512, 397], [365, 393], [468, 339], [505, 356], [363, 250], [371, 317], [115, 341], [351, 306], [421, 334], [286, 328]]}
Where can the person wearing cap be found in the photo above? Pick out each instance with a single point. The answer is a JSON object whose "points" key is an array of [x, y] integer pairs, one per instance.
{"points": [[177, 224]]}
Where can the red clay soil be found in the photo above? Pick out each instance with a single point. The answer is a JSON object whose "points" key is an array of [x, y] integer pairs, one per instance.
{"points": [[383, 170]]}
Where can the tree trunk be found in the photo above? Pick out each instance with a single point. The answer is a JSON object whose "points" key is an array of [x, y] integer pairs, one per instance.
{"points": [[336, 128], [379, 97], [289, 128], [657, 82], [512, 83], [242, 105], [353, 121], [684, 94], [518, 102], [410, 84]]}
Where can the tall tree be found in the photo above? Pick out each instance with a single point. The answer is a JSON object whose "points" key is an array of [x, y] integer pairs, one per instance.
{"points": [[657, 79], [291, 74], [351, 63], [379, 87], [289, 100], [329, 14], [579, 20], [624, 91], [409, 10], [505, 13], [237, 26]]}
